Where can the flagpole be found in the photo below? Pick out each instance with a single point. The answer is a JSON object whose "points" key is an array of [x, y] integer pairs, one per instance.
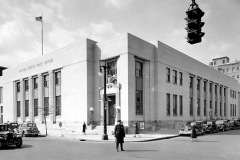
{"points": [[42, 34]]}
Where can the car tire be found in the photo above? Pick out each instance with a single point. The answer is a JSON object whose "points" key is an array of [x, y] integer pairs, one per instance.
{"points": [[18, 142]]}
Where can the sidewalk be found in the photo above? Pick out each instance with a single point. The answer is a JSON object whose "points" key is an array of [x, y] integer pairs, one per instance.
{"points": [[128, 138]]}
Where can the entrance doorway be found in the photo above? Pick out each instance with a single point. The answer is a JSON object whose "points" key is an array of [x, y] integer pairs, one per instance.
{"points": [[111, 110]]}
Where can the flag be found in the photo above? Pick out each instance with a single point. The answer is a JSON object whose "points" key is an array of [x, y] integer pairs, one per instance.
{"points": [[39, 18]]}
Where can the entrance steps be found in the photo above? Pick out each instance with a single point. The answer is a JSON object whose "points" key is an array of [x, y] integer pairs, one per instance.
{"points": [[99, 130]]}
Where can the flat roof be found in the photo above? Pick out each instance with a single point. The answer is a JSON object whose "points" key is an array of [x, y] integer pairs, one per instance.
{"points": [[220, 58]]}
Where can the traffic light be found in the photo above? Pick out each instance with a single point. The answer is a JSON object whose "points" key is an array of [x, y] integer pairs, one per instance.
{"points": [[194, 24]]}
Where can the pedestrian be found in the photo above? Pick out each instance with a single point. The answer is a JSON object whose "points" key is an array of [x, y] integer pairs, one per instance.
{"points": [[194, 133], [119, 134], [84, 127]]}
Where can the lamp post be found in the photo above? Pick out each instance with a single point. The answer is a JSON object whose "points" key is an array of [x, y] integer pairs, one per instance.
{"points": [[105, 101], [91, 117]]}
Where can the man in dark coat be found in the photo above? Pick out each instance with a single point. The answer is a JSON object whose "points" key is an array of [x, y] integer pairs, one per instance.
{"points": [[194, 133], [119, 134]]}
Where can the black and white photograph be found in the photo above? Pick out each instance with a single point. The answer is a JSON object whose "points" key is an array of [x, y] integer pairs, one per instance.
{"points": [[119, 80]]}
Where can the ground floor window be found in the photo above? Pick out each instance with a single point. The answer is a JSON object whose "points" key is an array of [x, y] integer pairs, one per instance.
{"points": [[180, 105], [139, 102], [35, 107], [26, 108], [224, 109], [58, 105], [205, 108], [46, 106], [191, 106], [198, 107], [168, 104], [18, 109], [174, 105]]}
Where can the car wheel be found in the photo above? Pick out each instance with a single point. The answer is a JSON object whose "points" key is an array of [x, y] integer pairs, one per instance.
{"points": [[18, 142]]}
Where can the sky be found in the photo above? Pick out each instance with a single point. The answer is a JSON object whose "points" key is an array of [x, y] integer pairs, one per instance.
{"points": [[67, 22]]}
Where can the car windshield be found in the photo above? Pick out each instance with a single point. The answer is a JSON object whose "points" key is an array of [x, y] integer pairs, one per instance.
{"points": [[198, 123], [209, 122], [32, 125], [3, 128]]}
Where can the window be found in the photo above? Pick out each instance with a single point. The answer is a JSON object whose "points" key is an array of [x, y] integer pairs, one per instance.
{"points": [[18, 109], [35, 107], [191, 106], [191, 82], [180, 78], [225, 109], [237, 76], [26, 108], [220, 109], [26, 85], [18, 86], [223, 70], [35, 83], [233, 69], [58, 78], [224, 61], [198, 107], [168, 104], [113, 70], [237, 67], [215, 62], [46, 80], [139, 87], [180, 105], [168, 74], [210, 87], [174, 77], [198, 84], [205, 108], [216, 108], [46, 106], [216, 89], [174, 105], [58, 105]]}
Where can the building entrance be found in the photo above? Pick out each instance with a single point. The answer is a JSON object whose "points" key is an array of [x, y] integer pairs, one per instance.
{"points": [[111, 110]]}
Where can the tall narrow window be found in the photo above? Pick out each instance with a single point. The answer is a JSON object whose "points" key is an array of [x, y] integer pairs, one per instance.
{"points": [[18, 109], [191, 83], [216, 108], [18, 86], [58, 105], [205, 108], [180, 105], [191, 106], [1, 95], [139, 87], [180, 78], [198, 107], [35, 107], [26, 108], [225, 109], [168, 104], [220, 109], [168, 74], [58, 78], [46, 106], [174, 77], [174, 105], [46, 80], [26, 85], [35, 83]]}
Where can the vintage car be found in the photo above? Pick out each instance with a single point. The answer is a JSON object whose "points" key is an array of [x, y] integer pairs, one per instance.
{"points": [[8, 137], [187, 129], [201, 128], [223, 125], [233, 124], [28, 128], [211, 127], [13, 125]]}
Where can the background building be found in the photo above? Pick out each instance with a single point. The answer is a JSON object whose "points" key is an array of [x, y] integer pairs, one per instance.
{"points": [[154, 85]]}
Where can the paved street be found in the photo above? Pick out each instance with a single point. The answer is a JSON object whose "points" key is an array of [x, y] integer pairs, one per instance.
{"points": [[219, 146]]}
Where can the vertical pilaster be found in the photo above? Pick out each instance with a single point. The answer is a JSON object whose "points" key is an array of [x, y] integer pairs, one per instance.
{"points": [[218, 100], [222, 100], [14, 102], [207, 100], [30, 92], [22, 100], [227, 104], [213, 100], [201, 99], [52, 107], [194, 98], [40, 98]]}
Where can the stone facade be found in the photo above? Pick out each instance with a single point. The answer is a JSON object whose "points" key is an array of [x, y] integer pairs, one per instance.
{"points": [[146, 75]]}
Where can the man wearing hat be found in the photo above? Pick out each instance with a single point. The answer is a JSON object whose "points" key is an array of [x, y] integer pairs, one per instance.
{"points": [[119, 134]]}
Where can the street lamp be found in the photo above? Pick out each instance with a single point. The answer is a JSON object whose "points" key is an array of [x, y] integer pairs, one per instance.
{"points": [[105, 101]]}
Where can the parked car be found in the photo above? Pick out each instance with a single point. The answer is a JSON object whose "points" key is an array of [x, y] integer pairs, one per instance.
{"points": [[223, 125], [8, 137], [211, 127], [13, 125], [231, 125], [234, 124], [28, 128], [201, 128], [186, 129]]}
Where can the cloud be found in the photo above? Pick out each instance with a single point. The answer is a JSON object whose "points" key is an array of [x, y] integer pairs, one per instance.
{"points": [[117, 3], [222, 47]]}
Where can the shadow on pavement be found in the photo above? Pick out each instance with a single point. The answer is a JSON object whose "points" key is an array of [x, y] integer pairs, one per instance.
{"points": [[13, 147], [141, 151]]}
